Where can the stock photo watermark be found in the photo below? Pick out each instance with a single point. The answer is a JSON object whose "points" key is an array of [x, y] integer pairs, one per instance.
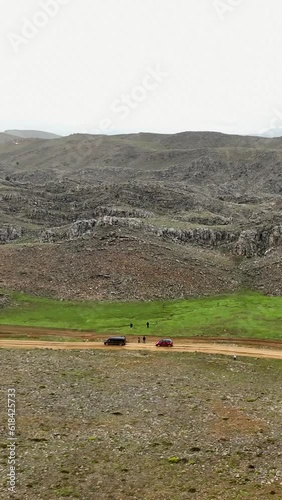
{"points": [[276, 120], [48, 9], [274, 128], [120, 109], [225, 7], [11, 413], [130, 101]]}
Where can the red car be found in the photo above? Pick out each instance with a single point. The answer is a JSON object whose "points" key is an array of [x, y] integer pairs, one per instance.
{"points": [[164, 343]]}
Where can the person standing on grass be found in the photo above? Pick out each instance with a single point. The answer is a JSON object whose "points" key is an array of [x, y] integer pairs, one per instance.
{"points": [[148, 324], [131, 325]]}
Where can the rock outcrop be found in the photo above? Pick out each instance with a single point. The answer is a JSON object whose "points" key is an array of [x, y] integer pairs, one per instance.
{"points": [[248, 243], [4, 300], [81, 228], [257, 242], [9, 233], [118, 212], [201, 236]]}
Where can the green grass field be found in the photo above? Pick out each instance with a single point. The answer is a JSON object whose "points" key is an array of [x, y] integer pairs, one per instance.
{"points": [[243, 315]]}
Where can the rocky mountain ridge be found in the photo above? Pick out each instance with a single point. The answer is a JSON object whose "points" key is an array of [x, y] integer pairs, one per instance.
{"points": [[192, 192]]}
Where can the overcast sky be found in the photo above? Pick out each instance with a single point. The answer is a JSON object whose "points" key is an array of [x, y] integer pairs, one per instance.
{"points": [[107, 66]]}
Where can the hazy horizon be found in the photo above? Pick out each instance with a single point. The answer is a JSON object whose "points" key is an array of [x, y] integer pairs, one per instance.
{"points": [[114, 133], [153, 66]]}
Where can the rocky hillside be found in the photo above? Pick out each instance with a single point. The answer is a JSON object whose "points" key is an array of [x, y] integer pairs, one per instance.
{"points": [[6, 138], [192, 194], [32, 134]]}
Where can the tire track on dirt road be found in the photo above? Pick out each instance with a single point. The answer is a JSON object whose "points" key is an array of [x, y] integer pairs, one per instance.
{"points": [[207, 348]]}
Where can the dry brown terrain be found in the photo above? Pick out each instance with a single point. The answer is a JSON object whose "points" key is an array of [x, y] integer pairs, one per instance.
{"points": [[114, 424], [142, 216], [115, 266]]}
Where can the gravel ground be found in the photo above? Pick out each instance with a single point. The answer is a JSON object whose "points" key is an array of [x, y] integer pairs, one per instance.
{"points": [[141, 425]]}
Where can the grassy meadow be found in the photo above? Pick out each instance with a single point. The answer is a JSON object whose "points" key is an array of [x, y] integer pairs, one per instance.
{"points": [[246, 314]]}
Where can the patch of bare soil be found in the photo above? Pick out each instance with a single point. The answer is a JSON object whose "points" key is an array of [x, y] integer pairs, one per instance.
{"points": [[135, 424]]}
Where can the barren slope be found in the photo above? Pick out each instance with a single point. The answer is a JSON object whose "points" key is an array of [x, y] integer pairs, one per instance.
{"points": [[113, 265], [206, 194], [108, 424]]}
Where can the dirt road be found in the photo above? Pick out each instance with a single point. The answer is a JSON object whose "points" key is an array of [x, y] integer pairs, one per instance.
{"points": [[208, 348], [38, 338]]}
